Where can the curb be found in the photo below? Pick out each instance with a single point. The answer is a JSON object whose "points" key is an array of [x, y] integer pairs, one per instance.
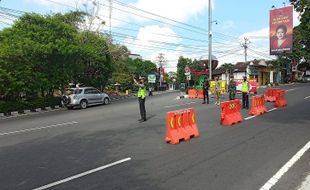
{"points": [[28, 112]]}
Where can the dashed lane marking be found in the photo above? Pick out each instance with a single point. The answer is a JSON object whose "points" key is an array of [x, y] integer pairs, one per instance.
{"points": [[82, 174], [251, 117], [272, 109], [38, 128], [307, 97], [290, 89]]}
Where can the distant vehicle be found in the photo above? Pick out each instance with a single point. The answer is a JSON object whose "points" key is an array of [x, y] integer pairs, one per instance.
{"points": [[83, 97]]}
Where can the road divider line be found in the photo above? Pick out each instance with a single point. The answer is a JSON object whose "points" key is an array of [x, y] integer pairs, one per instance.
{"points": [[272, 109], [39, 128], [272, 181], [176, 105], [249, 117], [82, 174], [307, 97], [290, 89]]}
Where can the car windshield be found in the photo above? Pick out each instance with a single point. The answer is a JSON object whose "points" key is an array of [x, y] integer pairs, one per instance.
{"points": [[73, 91]]}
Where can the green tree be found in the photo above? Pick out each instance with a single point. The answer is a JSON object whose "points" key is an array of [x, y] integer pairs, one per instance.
{"points": [[301, 44], [37, 52], [182, 63]]}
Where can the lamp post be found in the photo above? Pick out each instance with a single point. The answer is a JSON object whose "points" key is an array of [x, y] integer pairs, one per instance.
{"points": [[210, 41]]}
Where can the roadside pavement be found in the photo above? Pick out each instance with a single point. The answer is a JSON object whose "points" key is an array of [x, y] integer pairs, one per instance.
{"points": [[56, 108]]}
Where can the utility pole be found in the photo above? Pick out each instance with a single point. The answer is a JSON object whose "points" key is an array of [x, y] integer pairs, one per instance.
{"points": [[161, 62], [210, 40], [110, 18], [245, 46]]}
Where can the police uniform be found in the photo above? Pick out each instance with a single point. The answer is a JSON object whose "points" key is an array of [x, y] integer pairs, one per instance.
{"points": [[232, 90], [141, 96], [205, 89], [245, 94]]}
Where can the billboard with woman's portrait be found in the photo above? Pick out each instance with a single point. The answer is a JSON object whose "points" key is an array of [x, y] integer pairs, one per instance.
{"points": [[281, 30]]}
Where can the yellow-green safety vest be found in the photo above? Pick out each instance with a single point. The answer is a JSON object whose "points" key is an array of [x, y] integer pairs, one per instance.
{"points": [[245, 86], [141, 92]]}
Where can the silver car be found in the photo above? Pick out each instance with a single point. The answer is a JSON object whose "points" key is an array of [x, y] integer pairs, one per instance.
{"points": [[83, 97]]}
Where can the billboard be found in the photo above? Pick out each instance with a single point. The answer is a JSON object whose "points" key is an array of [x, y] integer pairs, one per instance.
{"points": [[281, 30]]}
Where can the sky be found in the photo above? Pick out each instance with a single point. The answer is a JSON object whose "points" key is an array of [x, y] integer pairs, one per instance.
{"points": [[172, 27]]}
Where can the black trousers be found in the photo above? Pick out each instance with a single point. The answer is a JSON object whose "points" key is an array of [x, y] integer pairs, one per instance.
{"points": [[245, 100], [205, 94], [142, 108]]}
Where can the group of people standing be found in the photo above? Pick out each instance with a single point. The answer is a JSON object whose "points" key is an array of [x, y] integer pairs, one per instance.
{"points": [[232, 88], [206, 86]]}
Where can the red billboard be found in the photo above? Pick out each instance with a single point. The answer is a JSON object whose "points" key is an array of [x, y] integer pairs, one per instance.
{"points": [[281, 30]]}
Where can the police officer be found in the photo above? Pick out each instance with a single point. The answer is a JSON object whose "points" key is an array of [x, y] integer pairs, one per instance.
{"points": [[217, 91], [205, 88], [232, 89], [141, 97], [245, 93]]}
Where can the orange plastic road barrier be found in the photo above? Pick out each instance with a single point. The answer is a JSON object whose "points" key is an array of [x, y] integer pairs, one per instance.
{"points": [[192, 93], [230, 112], [270, 95], [181, 125], [193, 122], [258, 106], [280, 98], [200, 93]]}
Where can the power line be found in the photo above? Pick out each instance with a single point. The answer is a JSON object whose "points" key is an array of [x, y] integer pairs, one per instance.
{"points": [[154, 14], [160, 21]]}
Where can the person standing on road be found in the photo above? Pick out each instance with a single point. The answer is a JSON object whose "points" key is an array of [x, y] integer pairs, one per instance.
{"points": [[150, 90], [232, 89], [217, 91], [245, 93], [141, 97], [205, 88]]}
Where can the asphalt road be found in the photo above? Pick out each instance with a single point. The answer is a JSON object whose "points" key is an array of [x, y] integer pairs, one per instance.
{"points": [[37, 150]]}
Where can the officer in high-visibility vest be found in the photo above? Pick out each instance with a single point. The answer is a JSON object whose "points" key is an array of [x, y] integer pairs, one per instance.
{"points": [[245, 93], [141, 97]]}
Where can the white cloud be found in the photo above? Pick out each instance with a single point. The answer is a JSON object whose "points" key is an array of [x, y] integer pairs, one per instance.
{"points": [[154, 35], [296, 20], [229, 25], [180, 10], [257, 35]]}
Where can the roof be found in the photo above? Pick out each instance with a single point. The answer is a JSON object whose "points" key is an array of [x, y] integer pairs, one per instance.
{"points": [[218, 71], [240, 67]]}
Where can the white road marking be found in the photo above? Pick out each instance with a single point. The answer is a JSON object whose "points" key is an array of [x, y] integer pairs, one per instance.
{"points": [[307, 97], [272, 181], [290, 89], [81, 174], [176, 105], [272, 109], [39, 128], [249, 117]]}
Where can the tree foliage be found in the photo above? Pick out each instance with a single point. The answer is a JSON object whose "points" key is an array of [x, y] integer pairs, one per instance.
{"points": [[182, 63], [301, 44], [40, 54]]}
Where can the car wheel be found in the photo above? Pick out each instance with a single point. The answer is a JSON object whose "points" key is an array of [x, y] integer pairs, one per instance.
{"points": [[106, 101], [83, 104]]}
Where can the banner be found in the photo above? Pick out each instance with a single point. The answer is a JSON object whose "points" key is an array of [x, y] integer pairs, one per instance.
{"points": [[281, 30], [252, 83], [151, 78], [223, 86]]}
